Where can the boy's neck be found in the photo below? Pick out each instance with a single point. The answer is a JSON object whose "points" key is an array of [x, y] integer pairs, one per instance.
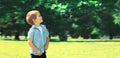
{"points": [[37, 25]]}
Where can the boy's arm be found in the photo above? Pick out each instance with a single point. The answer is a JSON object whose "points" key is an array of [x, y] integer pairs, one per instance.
{"points": [[47, 43], [33, 47]]}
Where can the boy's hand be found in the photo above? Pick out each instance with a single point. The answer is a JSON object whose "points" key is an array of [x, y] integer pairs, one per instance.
{"points": [[46, 47], [39, 53]]}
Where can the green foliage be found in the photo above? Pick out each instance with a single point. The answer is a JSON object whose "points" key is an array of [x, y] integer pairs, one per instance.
{"points": [[13, 13], [117, 18], [67, 17]]}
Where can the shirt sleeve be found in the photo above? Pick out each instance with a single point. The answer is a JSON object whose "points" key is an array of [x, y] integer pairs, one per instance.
{"points": [[47, 33], [30, 34]]}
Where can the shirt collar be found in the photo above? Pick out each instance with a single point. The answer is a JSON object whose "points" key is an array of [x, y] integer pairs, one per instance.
{"points": [[33, 26]]}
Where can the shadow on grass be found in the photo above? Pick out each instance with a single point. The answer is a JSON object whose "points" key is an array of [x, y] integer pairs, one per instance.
{"points": [[55, 40], [97, 41], [13, 40]]}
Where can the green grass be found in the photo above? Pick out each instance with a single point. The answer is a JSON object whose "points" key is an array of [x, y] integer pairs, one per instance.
{"points": [[71, 49]]}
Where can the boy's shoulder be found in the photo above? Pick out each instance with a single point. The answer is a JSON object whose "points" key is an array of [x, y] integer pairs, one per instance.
{"points": [[43, 25], [32, 28]]}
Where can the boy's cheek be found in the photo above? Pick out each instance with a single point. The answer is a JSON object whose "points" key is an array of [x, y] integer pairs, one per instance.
{"points": [[41, 20]]}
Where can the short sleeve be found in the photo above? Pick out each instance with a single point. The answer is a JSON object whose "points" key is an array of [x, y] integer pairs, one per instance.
{"points": [[30, 34], [46, 31]]}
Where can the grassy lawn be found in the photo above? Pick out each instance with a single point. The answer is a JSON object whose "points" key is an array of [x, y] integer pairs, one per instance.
{"points": [[70, 49]]}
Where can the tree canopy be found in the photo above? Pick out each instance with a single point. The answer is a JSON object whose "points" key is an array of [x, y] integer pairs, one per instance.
{"points": [[85, 18]]}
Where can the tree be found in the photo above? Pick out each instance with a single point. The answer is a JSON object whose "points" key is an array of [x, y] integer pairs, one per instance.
{"points": [[55, 21], [85, 18], [106, 11], [13, 16]]}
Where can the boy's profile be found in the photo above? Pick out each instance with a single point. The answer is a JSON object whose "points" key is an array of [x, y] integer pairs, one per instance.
{"points": [[38, 35]]}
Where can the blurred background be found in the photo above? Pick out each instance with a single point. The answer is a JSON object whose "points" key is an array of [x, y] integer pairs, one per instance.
{"points": [[85, 18], [66, 20], [80, 18]]}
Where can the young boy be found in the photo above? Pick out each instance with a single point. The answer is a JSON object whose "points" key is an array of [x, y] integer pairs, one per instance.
{"points": [[38, 35]]}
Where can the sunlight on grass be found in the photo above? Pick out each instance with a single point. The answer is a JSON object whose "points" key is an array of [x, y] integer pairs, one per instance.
{"points": [[20, 49], [14, 49], [84, 50]]}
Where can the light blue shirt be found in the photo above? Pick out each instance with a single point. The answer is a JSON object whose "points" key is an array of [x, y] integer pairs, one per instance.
{"points": [[39, 36]]}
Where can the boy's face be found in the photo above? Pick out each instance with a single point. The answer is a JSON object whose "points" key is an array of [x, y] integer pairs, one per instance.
{"points": [[38, 19]]}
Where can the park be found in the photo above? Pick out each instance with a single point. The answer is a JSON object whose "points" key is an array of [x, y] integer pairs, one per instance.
{"points": [[77, 29], [74, 48]]}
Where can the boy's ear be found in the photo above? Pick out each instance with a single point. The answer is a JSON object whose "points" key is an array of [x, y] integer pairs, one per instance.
{"points": [[33, 20]]}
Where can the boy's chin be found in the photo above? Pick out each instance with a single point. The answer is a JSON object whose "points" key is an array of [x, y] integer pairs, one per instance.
{"points": [[41, 23]]}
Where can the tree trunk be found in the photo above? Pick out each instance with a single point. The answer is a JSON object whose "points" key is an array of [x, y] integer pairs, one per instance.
{"points": [[25, 36], [63, 37], [17, 36], [86, 37], [111, 37], [94, 36]]}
